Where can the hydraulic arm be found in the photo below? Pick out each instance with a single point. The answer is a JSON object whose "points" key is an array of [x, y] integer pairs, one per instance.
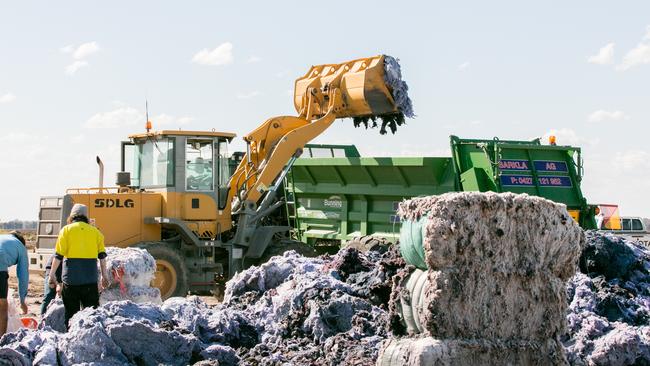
{"points": [[362, 89]]}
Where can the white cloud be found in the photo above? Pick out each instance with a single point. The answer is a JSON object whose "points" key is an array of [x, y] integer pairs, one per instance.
{"points": [[165, 120], [253, 59], [607, 116], [632, 160], [7, 98], [79, 54], [476, 122], [77, 139], [222, 55], [252, 94], [605, 56], [128, 117], [464, 66], [75, 66], [567, 136], [14, 137], [85, 50], [639, 55], [67, 49], [121, 117]]}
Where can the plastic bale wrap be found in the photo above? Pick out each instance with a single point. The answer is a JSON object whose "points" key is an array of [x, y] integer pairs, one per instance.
{"points": [[13, 312], [499, 261], [448, 352]]}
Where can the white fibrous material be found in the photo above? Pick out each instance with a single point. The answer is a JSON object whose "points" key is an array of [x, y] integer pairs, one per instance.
{"points": [[35, 347], [130, 273], [136, 294], [609, 304], [132, 266], [54, 317], [291, 310], [269, 275], [467, 352], [494, 292], [499, 261], [224, 355]]}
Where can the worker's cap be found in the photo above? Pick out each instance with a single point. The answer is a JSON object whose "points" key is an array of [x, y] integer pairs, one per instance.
{"points": [[79, 210]]}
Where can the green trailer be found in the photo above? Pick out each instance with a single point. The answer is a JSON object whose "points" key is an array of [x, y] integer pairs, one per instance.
{"points": [[339, 195]]}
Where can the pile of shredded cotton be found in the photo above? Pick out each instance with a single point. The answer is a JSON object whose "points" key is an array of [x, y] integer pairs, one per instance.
{"points": [[609, 304], [330, 310]]}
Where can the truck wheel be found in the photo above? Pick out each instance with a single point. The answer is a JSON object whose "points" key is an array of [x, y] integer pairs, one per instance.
{"points": [[171, 272], [369, 243]]}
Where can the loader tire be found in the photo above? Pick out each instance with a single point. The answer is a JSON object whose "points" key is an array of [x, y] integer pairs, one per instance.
{"points": [[279, 247], [369, 243], [171, 276]]}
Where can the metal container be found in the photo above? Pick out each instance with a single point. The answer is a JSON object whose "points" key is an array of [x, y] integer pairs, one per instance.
{"points": [[336, 199]]}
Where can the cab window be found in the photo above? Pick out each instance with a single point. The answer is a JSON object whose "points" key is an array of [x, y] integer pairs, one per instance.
{"points": [[626, 224], [154, 164], [637, 225], [199, 174]]}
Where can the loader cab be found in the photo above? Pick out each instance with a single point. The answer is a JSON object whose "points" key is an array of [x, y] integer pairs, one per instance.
{"points": [[179, 161]]}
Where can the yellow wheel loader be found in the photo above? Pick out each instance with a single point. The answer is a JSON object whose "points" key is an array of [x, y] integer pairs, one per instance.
{"points": [[175, 195]]}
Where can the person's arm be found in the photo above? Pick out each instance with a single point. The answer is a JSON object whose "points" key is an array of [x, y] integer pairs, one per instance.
{"points": [[55, 265], [102, 260], [60, 252], [22, 271], [104, 275]]}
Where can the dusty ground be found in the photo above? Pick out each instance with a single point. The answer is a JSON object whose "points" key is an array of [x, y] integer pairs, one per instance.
{"points": [[34, 291]]}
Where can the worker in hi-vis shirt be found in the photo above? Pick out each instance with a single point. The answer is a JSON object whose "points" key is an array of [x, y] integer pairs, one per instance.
{"points": [[79, 246]]}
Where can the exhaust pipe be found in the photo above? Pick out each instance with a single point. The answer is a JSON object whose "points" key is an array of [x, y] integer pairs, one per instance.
{"points": [[101, 173]]}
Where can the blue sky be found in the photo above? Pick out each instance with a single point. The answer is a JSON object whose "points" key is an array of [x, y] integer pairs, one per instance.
{"points": [[74, 77]]}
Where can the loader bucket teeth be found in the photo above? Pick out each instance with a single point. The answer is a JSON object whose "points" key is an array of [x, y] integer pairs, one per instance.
{"points": [[371, 88]]}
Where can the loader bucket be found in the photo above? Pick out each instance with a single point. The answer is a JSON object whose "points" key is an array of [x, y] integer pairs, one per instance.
{"points": [[371, 88]]}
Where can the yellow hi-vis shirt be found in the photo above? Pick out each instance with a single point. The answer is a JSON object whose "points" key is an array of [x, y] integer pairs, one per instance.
{"points": [[79, 245]]}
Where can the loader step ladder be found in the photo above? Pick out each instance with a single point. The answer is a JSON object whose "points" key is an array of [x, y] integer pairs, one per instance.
{"points": [[292, 207]]}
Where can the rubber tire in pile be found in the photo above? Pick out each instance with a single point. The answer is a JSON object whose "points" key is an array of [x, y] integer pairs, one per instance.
{"points": [[171, 255], [369, 243], [278, 248]]}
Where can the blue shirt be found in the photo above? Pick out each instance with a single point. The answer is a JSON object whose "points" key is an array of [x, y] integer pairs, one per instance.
{"points": [[13, 252]]}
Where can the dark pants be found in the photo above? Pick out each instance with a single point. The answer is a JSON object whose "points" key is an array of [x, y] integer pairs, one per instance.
{"points": [[76, 296], [4, 284], [49, 294]]}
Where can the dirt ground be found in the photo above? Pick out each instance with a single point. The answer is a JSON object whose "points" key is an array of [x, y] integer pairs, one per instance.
{"points": [[36, 290]]}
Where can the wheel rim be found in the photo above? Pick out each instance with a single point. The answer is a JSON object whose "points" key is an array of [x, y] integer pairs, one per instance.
{"points": [[165, 278]]}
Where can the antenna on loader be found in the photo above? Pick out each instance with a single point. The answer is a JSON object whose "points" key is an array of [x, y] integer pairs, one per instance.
{"points": [[146, 109]]}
